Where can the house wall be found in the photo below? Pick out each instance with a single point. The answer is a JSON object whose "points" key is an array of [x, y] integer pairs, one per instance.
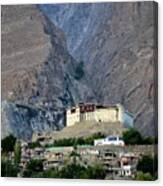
{"points": [[72, 118]]}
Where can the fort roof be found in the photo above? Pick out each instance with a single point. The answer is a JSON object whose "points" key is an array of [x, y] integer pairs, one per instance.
{"points": [[94, 104]]}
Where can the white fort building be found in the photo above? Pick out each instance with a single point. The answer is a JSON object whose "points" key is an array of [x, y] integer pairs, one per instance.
{"points": [[98, 113]]}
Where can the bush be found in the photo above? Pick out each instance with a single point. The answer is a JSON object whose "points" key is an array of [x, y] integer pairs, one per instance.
{"points": [[148, 164], [8, 143], [17, 152], [8, 169], [132, 137], [79, 71], [33, 167], [147, 141], [75, 171], [51, 173], [143, 176], [33, 145], [78, 141]]}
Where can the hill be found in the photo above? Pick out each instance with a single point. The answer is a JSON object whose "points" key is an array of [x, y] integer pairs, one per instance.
{"points": [[84, 129]]}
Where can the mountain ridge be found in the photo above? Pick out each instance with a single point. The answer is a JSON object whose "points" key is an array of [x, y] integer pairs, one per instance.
{"points": [[44, 47], [118, 50], [44, 86]]}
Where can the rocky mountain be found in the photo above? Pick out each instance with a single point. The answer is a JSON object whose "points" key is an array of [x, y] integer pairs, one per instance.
{"points": [[54, 56], [117, 42], [38, 74]]}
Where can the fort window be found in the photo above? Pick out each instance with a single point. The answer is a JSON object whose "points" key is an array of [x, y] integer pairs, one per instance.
{"points": [[82, 109], [117, 110], [73, 110]]}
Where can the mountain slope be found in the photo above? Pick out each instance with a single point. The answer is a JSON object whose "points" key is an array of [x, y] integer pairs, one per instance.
{"points": [[38, 73], [116, 43]]}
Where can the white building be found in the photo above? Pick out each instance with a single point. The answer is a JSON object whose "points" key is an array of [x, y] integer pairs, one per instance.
{"points": [[98, 113], [110, 140], [128, 162]]}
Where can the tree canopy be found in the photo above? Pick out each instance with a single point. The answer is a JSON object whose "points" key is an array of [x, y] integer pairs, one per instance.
{"points": [[74, 171], [8, 143], [134, 137], [148, 164]]}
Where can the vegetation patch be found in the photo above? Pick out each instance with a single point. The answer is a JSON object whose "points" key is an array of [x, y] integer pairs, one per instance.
{"points": [[133, 137], [76, 141], [79, 71], [70, 171], [147, 168]]}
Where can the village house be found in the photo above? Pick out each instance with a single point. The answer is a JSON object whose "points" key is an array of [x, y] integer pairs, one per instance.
{"points": [[27, 154], [55, 156], [119, 164], [98, 113], [128, 162]]}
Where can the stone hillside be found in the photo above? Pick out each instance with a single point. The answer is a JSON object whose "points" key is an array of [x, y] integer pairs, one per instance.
{"points": [[117, 42], [86, 129], [25, 47], [38, 73]]}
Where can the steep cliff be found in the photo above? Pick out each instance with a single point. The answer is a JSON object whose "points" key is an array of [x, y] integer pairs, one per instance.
{"points": [[116, 43], [38, 73], [108, 58]]}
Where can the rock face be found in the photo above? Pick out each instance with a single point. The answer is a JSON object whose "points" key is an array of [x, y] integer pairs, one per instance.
{"points": [[38, 73], [24, 49], [116, 43], [108, 58], [23, 120]]}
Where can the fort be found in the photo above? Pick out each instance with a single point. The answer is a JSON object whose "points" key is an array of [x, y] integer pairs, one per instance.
{"points": [[98, 113], [86, 119]]}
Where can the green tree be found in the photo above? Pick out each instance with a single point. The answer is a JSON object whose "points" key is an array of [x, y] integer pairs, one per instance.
{"points": [[148, 140], [96, 172], [144, 176], [33, 167], [72, 170], [8, 143], [147, 164], [50, 173], [17, 152], [75, 155], [132, 136], [33, 145], [8, 169]]}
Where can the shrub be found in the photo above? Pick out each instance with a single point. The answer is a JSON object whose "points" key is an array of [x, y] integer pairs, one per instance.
{"points": [[72, 170], [8, 169], [33, 167], [33, 145], [143, 176], [8, 143], [148, 164], [17, 152], [79, 71], [78, 141], [132, 137]]}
